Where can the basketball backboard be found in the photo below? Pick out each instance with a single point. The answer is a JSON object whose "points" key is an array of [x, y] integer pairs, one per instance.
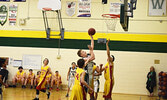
{"points": [[126, 11], [124, 19], [53, 4]]}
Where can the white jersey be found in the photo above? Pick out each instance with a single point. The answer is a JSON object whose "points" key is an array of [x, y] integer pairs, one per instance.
{"points": [[96, 77], [72, 72]]}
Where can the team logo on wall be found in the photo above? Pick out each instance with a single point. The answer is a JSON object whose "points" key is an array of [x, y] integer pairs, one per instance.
{"points": [[70, 8], [84, 8], [3, 14]]}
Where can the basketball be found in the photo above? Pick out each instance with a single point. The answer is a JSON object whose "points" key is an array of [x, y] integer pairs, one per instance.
{"points": [[164, 74], [165, 83], [160, 74], [160, 83], [160, 88], [91, 31], [165, 79], [164, 88], [163, 93], [160, 93], [160, 79]]}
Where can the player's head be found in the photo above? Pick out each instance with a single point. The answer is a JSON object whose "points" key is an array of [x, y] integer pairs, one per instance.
{"points": [[3, 62], [113, 58], [73, 64], [46, 61], [20, 68], [81, 63], [57, 72], [30, 70], [152, 69], [81, 53], [39, 72]]}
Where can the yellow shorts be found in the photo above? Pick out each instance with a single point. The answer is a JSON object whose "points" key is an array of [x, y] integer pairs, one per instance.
{"points": [[42, 82], [78, 93], [108, 86]]}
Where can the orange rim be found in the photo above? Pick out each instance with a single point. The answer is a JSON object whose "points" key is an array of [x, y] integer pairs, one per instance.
{"points": [[111, 16]]}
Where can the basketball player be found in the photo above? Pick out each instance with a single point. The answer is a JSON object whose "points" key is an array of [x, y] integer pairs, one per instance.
{"points": [[96, 81], [78, 93], [71, 76], [30, 79], [37, 79], [89, 73], [19, 77], [57, 80], [3, 74], [108, 74], [45, 69]]}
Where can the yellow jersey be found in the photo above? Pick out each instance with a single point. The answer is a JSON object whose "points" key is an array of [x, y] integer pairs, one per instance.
{"points": [[108, 74], [20, 74], [30, 75], [44, 70], [79, 71]]}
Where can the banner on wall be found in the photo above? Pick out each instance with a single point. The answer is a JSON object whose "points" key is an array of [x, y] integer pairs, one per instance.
{"points": [[115, 8], [157, 8], [3, 13], [70, 9], [5, 0], [19, 0], [12, 14], [84, 8]]}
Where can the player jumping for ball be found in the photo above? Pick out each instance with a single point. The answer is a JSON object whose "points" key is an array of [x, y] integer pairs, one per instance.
{"points": [[78, 92], [89, 73], [108, 74]]}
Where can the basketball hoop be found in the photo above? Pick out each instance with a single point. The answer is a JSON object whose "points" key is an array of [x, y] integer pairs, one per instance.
{"points": [[47, 9], [111, 20]]}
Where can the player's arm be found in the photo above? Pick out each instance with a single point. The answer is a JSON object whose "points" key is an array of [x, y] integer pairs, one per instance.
{"points": [[2, 81], [102, 68], [108, 51], [83, 81], [92, 42], [92, 55], [68, 74], [98, 72]]}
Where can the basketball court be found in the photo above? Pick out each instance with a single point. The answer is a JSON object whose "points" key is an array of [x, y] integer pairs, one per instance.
{"points": [[14, 94], [32, 30]]}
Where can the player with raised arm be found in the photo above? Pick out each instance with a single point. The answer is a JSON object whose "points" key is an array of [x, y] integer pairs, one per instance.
{"points": [[108, 74], [89, 67], [78, 93]]}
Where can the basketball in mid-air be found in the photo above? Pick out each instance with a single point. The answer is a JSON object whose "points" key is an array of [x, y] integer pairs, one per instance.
{"points": [[91, 31]]}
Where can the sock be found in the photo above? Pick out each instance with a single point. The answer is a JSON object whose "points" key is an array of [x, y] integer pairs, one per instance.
{"points": [[47, 91], [37, 96]]}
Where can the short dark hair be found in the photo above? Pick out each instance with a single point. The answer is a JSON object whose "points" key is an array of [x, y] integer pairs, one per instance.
{"points": [[73, 63], [113, 58], [80, 63], [79, 52], [2, 61], [20, 67], [30, 70], [38, 72], [56, 71]]}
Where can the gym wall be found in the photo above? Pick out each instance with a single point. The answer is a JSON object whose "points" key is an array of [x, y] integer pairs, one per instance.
{"points": [[135, 50]]}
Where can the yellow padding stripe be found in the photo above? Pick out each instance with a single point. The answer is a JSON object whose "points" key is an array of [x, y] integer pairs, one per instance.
{"points": [[85, 36]]}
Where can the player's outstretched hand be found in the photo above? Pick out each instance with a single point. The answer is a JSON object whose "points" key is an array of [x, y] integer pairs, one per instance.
{"points": [[108, 41], [89, 46]]}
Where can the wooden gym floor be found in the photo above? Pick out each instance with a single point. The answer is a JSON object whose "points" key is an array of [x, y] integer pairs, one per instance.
{"points": [[29, 94]]}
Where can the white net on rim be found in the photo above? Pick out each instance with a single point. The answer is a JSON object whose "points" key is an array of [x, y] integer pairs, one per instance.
{"points": [[111, 22]]}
